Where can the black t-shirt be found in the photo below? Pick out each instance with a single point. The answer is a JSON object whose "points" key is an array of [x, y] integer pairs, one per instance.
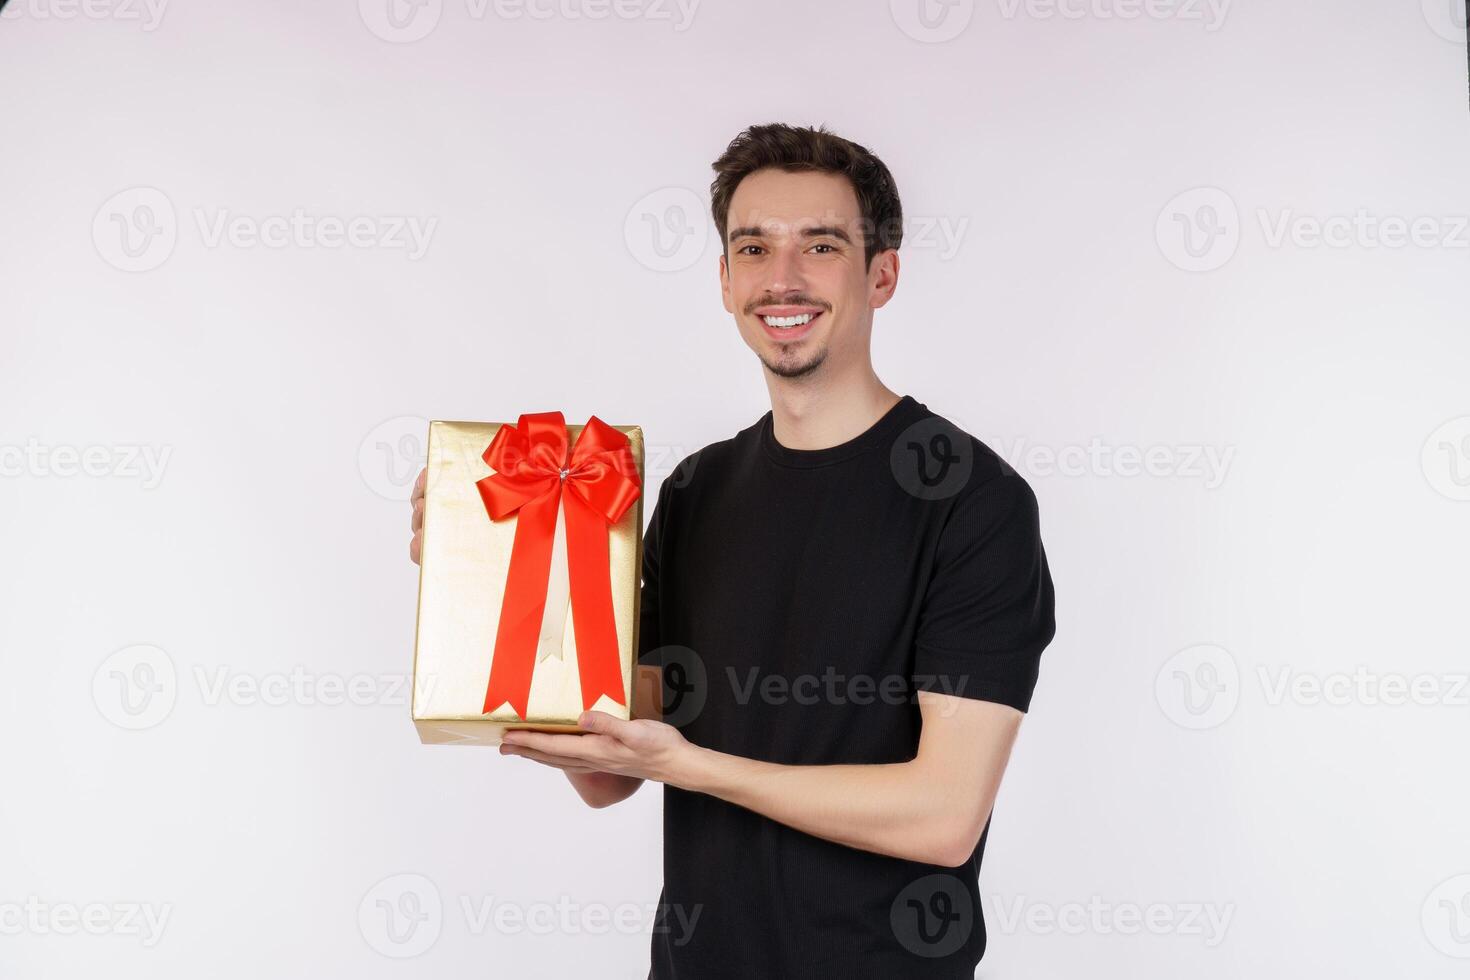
{"points": [[797, 600]]}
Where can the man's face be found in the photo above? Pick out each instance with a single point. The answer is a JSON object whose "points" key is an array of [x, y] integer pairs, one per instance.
{"points": [[795, 278]]}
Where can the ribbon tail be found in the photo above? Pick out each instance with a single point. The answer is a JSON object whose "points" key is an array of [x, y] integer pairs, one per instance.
{"points": [[599, 664], [523, 605]]}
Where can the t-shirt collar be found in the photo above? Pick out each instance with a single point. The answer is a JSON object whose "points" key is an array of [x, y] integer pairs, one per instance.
{"points": [[878, 434]]}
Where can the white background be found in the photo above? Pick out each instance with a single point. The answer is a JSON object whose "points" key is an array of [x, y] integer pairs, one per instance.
{"points": [[280, 390]]}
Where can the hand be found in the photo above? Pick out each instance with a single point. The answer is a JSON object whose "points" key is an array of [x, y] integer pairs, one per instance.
{"points": [[641, 748], [415, 546]]}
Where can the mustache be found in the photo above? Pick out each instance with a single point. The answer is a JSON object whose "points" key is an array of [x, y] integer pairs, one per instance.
{"points": [[786, 301]]}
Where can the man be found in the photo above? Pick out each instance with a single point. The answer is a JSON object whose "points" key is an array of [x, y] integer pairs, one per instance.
{"points": [[846, 601]]}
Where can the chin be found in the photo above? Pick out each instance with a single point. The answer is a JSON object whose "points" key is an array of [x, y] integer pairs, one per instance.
{"points": [[796, 369]]}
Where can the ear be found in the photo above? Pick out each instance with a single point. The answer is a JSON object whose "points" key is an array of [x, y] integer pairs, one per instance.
{"points": [[725, 286], [883, 278]]}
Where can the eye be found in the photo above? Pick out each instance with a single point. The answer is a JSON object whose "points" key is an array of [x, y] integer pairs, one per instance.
{"points": [[825, 245], [742, 249]]}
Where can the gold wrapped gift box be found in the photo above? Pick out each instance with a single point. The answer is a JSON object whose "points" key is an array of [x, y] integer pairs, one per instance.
{"points": [[464, 563]]}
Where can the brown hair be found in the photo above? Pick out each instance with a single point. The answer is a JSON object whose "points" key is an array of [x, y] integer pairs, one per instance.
{"points": [[795, 149]]}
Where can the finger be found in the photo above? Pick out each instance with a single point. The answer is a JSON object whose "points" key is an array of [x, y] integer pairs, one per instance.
{"points": [[419, 483], [565, 746], [603, 723], [414, 547], [570, 765], [417, 520]]}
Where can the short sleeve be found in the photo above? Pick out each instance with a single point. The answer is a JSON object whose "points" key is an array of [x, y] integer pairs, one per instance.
{"points": [[989, 610]]}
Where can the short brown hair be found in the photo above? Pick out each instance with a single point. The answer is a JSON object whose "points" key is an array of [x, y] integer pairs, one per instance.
{"points": [[793, 149]]}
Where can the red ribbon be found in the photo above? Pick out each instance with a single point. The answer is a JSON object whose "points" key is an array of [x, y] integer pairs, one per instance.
{"points": [[531, 470]]}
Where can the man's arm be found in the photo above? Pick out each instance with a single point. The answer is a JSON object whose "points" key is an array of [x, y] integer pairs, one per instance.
{"points": [[931, 809]]}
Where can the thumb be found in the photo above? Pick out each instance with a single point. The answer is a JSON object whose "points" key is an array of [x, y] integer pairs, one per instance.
{"points": [[601, 722]]}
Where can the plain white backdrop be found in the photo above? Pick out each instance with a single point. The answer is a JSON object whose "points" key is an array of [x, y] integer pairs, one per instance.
{"points": [[1199, 270]]}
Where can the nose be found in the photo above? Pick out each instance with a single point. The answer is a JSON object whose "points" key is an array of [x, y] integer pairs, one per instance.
{"points": [[784, 271]]}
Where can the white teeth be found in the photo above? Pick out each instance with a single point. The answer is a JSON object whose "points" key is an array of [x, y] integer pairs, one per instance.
{"points": [[787, 321]]}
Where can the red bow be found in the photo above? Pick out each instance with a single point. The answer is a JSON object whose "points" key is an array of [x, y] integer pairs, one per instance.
{"points": [[531, 469]]}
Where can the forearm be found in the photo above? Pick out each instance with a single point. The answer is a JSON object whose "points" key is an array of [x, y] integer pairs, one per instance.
{"points": [[600, 789], [901, 809]]}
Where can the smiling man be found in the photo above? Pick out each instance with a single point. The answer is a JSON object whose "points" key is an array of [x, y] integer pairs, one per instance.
{"points": [[844, 608]]}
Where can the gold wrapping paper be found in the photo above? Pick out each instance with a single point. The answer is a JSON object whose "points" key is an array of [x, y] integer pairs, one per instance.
{"points": [[464, 561]]}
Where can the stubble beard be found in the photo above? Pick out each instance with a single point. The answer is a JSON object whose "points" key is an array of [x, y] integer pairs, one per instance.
{"points": [[795, 366]]}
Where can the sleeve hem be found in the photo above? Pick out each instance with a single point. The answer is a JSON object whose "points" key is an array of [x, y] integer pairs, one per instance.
{"points": [[1005, 676]]}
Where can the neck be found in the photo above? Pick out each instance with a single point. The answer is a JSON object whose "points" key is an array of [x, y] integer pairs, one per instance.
{"points": [[811, 414]]}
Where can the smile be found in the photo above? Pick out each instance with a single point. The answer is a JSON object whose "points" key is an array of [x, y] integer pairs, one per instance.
{"points": [[789, 325]]}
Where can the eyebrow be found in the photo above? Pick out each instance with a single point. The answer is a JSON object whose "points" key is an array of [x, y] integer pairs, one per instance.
{"points": [[819, 231]]}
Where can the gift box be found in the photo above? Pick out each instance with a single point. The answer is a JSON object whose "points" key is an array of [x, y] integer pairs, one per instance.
{"points": [[529, 576]]}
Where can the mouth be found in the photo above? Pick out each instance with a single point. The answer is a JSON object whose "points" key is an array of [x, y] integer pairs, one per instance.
{"points": [[787, 324]]}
